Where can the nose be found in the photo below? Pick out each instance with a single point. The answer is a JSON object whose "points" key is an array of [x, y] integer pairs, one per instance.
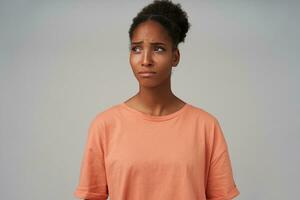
{"points": [[147, 58]]}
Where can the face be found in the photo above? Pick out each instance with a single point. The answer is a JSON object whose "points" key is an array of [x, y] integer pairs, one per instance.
{"points": [[151, 50]]}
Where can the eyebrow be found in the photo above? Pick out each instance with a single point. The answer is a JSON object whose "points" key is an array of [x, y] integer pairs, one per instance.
{"points": [[152, 43]]}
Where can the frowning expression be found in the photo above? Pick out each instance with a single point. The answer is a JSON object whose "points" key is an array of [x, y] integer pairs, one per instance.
{"points": [[151, 51]]}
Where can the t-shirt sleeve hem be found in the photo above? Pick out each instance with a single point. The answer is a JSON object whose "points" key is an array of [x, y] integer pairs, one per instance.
{"points": [[89, 195], [233, 193]]}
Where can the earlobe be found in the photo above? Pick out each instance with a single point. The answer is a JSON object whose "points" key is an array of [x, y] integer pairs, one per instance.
{"points": [[176, 58]]}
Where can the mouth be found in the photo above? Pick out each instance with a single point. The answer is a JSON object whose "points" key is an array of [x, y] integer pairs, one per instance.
{"points": [[147, 74]]}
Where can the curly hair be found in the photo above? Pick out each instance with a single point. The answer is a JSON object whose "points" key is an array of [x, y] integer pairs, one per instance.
{"points": [[169, 15]]}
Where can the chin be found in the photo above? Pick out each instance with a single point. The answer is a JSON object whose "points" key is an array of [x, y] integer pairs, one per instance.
{"points": [[148, 83]]}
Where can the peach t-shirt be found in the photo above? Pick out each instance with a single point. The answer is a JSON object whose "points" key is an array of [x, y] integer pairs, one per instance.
{"points": [[131, 155]]}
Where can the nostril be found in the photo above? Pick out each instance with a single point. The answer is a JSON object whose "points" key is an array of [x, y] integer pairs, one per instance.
{"points": [[146, 64]]}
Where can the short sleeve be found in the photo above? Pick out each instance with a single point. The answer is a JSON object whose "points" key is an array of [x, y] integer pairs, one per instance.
{"points": [[92, 180], [220, 181]]}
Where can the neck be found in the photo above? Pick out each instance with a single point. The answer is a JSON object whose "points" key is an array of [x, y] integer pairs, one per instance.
{"points": [[156, 97]]}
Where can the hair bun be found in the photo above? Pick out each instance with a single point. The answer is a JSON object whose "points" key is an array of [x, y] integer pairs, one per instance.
{"points": [[170, 15]]}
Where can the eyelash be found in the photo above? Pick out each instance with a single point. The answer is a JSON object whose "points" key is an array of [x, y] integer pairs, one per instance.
{"points": [[133, 48]]}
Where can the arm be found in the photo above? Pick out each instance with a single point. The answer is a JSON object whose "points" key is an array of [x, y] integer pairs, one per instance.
{"points": [[220, 182], [92, 180]]}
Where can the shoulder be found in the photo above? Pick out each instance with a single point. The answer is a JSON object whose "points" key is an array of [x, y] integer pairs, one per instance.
{"points": [[106, 115], [202, 114]]}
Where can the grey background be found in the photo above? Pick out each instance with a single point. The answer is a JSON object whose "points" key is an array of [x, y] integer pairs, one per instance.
{"points": [[62, 62]]}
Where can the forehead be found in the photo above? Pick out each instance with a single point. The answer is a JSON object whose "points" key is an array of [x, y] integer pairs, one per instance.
{"points": [[151, 31]]}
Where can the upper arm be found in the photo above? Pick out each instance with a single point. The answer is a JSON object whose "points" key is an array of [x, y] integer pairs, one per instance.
{"points": [[220, 181], [92, 179]]}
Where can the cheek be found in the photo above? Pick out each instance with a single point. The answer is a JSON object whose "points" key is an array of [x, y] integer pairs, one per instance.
{"points": [[134, 60], [165, 63]]}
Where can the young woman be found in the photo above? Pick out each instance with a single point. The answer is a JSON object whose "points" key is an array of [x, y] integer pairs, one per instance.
{"points": [[155, 146]]}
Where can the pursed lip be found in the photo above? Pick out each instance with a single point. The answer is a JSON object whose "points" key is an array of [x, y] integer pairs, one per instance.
{"points": [[146, 72]]}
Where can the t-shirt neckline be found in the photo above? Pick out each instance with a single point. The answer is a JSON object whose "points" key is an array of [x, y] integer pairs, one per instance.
{"points": [[153, 117]]}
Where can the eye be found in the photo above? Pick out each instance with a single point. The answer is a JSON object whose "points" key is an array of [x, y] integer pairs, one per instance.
{"points": [[159, 49], [135, 49]]}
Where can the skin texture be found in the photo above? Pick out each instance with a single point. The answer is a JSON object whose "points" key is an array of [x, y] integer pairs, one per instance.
{"points": [[155, 96]]}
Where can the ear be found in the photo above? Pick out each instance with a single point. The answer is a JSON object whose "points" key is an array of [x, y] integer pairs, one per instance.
{"points": [[176, 57]]}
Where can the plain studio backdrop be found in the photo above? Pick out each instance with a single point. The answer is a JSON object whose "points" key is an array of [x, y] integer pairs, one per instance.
{"points": [[62, 62]]}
